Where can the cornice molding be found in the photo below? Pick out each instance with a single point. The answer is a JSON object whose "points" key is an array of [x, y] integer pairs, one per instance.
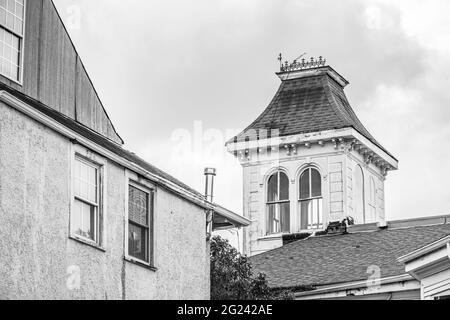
{"points": [[344, 140]]}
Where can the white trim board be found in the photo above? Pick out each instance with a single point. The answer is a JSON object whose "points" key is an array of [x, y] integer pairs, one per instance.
{"points": [[313, 137], [403, 282]]}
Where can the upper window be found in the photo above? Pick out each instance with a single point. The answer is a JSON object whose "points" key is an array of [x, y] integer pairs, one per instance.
{"points": [[140, 216], [12, 21], [86, 213], [278, 205], [311, 216]]}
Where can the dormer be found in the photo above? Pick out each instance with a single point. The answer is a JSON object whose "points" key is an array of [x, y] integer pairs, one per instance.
{"points": [[308, 161]]}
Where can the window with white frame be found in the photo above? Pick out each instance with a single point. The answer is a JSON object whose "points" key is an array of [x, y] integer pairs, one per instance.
{"points": [[311, 200], [86, 208], [140, 216], [278, 204], [12, 25]]}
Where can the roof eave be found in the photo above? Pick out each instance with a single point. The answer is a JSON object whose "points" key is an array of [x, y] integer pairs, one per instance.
{"points": [[233, 219], [442, 243], [328, 135], [353, 285]]}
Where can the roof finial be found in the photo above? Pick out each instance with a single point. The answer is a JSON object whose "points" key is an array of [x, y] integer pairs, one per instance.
{"points": [[303, 65], [280, 58]]}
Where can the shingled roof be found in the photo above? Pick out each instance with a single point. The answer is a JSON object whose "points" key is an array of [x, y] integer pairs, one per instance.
{"points": [[308, 104], [327, 260]]}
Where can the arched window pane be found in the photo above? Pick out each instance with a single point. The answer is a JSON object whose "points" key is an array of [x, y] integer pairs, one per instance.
{"points": [[272, 190], [311, 200], [272, 219], [278, 205], [304, 185], [358, 190], [284, 187], [316, 184]]}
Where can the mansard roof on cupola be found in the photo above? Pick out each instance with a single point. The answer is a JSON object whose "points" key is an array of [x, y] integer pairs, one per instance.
{"points": [[310, 99]]}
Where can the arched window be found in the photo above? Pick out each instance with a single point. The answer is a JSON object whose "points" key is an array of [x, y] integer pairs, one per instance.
{"points": [[311, 216], [373, 200], [358, 196], [278, 205]]}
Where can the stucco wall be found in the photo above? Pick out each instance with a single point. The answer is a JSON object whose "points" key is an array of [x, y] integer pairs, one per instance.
{"points": [[37, 258]]}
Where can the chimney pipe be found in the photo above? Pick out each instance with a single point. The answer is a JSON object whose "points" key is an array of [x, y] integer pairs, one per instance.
{"points": [[210, 173]]}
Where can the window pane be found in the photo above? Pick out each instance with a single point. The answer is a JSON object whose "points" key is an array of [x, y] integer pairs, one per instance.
{"points": [[2, 16], [86, 181], [14, 11], [272, 189], [88, 222], [272, 219], [316, 184], [84, 220], [304, 185], [285, 217], [138, 204], [137, 242], [311, 214], [284, 187], [76, 217], [304, 213]]}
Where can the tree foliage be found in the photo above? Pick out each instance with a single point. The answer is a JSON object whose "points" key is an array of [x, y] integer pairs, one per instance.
{"points": [[232, 277]]}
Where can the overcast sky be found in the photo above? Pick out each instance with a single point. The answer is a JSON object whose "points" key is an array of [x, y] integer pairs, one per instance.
{"points": [[180, 76]]}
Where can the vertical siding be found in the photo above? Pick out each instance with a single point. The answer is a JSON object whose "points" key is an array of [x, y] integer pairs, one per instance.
{"points": [[54, 73], [436, 285], [31, 47]]}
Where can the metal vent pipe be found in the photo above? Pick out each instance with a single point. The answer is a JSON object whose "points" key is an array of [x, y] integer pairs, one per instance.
{"points": [[210, 173]]}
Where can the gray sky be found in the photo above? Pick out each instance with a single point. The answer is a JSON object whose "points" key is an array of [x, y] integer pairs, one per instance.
{"points": [[163, 68]]}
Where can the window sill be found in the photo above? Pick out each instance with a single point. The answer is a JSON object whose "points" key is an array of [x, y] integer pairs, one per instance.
{"points": [[87, 242], [272, 236], [141, 264], [12, 80]]}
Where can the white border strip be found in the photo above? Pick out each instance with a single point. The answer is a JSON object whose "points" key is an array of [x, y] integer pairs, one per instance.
{"points": [[354, 285], [312, 137]]}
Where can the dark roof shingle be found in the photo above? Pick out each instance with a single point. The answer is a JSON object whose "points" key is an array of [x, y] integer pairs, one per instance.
{"points": [[329, 260]]}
